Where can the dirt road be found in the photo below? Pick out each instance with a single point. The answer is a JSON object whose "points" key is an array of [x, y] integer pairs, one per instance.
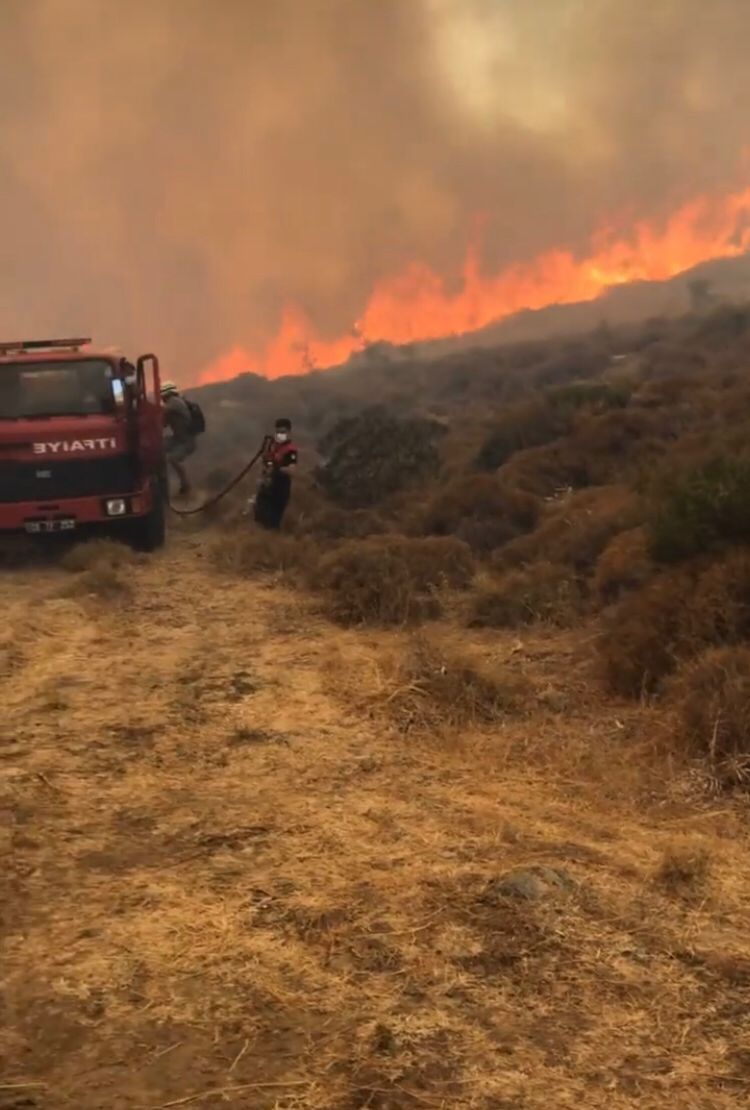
{"points": [[225, 886]]}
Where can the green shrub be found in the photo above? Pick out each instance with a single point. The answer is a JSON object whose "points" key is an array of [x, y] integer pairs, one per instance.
{"points": [[373, 455], [700, 510]]}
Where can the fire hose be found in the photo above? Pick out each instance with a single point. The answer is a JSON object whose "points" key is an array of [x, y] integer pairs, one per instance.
{"points": [[227, 489]]}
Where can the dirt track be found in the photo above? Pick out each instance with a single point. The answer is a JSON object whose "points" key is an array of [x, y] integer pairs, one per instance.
{"points": [[224, 886]]}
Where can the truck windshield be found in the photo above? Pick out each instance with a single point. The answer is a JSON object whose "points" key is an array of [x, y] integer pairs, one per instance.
{"points": [[75, 388]]}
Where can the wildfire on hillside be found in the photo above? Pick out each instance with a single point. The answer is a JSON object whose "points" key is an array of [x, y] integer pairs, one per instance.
{"points": [[414, 305]]}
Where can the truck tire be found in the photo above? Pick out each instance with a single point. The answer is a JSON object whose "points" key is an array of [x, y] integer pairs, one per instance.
{"points": [[149, 532]]}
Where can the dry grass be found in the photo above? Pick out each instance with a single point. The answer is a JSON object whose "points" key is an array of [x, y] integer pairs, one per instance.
{"points": [[103, 569], [99, 553], [256, 896], [101, 581], [391, 580], [247, 551], [685, 869]]}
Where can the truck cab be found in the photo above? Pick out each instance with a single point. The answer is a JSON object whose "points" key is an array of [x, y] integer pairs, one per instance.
{"points": [[81, 444]]}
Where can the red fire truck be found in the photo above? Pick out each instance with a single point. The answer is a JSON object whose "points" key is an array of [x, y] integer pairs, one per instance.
{"points": [[81, 442]]}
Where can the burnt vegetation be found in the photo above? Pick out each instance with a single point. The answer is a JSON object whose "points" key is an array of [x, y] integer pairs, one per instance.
{"points": [[601, 482]]}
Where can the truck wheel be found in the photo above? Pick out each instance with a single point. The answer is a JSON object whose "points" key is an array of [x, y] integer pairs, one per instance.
{"points": [[149, 532]]}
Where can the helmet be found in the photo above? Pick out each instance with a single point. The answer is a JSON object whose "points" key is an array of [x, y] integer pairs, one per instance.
{"points": [[168, 387]]}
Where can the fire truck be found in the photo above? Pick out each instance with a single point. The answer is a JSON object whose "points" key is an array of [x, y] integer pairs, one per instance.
{"points": [[81, 446]]}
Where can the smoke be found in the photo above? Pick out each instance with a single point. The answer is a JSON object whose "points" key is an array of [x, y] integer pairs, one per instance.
{"points": [[173, 171]]}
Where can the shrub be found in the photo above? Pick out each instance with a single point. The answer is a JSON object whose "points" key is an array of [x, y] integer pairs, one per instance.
{"points": [[433, 689], [542, 471], [725, 324], [373, 455], [482, 511], [439, 561], [700, 510], [673, 618], [573, 360], [391, 579], [711, 698], [719, 610], [544, 592], [331, 522], [576, 531], [525, 424], [615, 443], [599, 396], [623, 565]]}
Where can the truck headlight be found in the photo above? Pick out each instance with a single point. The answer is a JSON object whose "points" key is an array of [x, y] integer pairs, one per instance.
{"points": [[116, 507]]}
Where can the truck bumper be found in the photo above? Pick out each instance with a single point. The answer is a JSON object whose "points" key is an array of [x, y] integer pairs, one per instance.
{"points": [[68, 514]]}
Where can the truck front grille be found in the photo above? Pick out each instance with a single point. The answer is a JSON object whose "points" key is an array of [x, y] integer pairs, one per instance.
{"points": [[52, 481]]}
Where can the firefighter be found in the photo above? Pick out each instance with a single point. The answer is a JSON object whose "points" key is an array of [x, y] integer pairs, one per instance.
{"points": [[274, 490], [179, 440]]}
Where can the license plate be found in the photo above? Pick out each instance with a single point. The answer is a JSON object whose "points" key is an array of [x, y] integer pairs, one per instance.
{"points": [[50, 525]]}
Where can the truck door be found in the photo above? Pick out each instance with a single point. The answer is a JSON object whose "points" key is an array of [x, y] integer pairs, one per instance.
{"points": [[149, 415]]}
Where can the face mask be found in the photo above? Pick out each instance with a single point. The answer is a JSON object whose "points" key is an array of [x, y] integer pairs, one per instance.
{"points": [[281, 437]]}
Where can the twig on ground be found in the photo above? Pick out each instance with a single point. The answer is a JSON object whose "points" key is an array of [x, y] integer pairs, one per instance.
{"points": [[401, 932], [218, 1091], [239, 1055], [168, 1049], [19, 1086]]}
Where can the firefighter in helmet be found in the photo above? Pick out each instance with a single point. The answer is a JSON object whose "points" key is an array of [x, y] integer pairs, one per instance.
{"points": [[179, 440]]}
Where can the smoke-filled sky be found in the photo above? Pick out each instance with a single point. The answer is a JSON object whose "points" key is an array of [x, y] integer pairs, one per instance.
{"points": [[173, 171]]}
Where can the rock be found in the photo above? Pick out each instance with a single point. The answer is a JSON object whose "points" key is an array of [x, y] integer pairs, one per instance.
{"points": [[368, 763], [531, 884]]}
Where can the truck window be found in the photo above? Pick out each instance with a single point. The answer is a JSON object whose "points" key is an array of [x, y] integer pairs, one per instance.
{"points": [[75, 388]]}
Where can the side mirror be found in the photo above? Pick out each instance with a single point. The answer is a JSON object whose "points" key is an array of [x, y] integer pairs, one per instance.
{"points": [[118, 392]]}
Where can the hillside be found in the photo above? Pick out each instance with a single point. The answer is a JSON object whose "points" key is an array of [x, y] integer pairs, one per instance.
{"points": [[472, 382], [727, 282], [438, 799]]}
